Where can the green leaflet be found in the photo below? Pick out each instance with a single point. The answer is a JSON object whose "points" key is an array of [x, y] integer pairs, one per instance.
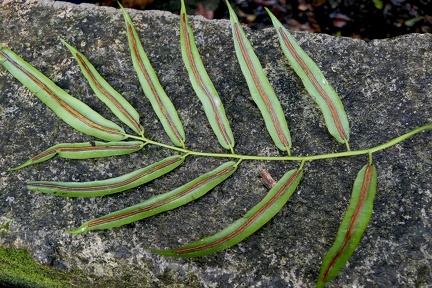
{"points": [[259, 87], [108, 186], [93, 149], [71, 110], [202, 84], [245, 226], [117, 104], [353, 224], [153, 90], [163, 202], [315, 83]]}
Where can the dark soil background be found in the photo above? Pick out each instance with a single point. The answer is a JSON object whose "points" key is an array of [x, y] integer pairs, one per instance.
{"points": [[363, 19]]}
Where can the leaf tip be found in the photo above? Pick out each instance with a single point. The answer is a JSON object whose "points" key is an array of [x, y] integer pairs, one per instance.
{"points": [[16, 167], [168, 252], [65, 43], [83, 228]]}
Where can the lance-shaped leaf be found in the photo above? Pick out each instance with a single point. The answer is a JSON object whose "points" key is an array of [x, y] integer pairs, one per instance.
{"points": [[93, 149], [315, 83], [108, 186], [245, 226], [353, 224], [202, 84], [106, 93], [153, 90], [163, 202], [259, 86], [71, 110]]}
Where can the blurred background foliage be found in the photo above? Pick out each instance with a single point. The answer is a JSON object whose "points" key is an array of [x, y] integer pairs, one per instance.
{"points": [[362, 19]]}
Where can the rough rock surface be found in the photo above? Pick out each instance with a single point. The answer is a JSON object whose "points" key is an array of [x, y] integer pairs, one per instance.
{"points": [[385, 85]]}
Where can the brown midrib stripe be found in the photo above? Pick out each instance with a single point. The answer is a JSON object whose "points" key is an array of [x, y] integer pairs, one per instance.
{"points": [[108, 186], [107, 94], [263, 95], [77, 149], [43, 154], [200, 80], [62, 103], [353, 221], [150, 84], [316, 84], [245, 225], [158, 204]]}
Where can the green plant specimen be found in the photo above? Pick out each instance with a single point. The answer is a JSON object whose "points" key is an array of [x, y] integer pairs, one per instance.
{"points": [[86, 120]]}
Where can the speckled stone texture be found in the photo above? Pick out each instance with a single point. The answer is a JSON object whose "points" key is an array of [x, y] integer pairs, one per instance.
{"points": [[385, 85]]}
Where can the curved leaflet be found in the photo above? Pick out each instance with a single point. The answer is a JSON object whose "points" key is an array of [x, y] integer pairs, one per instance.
{"points": [[163, 202], [117, 104], [259, 87], [108, 186], [245, 226], [202, 84], [93, 149], [315, 83], [71, 110], [160, 102], [353, 224]]}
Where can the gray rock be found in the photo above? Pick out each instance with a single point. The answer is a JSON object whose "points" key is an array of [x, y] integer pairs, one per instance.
{"points": [[385, 85]]}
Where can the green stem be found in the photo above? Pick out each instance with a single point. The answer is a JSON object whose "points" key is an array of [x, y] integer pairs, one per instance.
{"points": [[292, 158]]}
